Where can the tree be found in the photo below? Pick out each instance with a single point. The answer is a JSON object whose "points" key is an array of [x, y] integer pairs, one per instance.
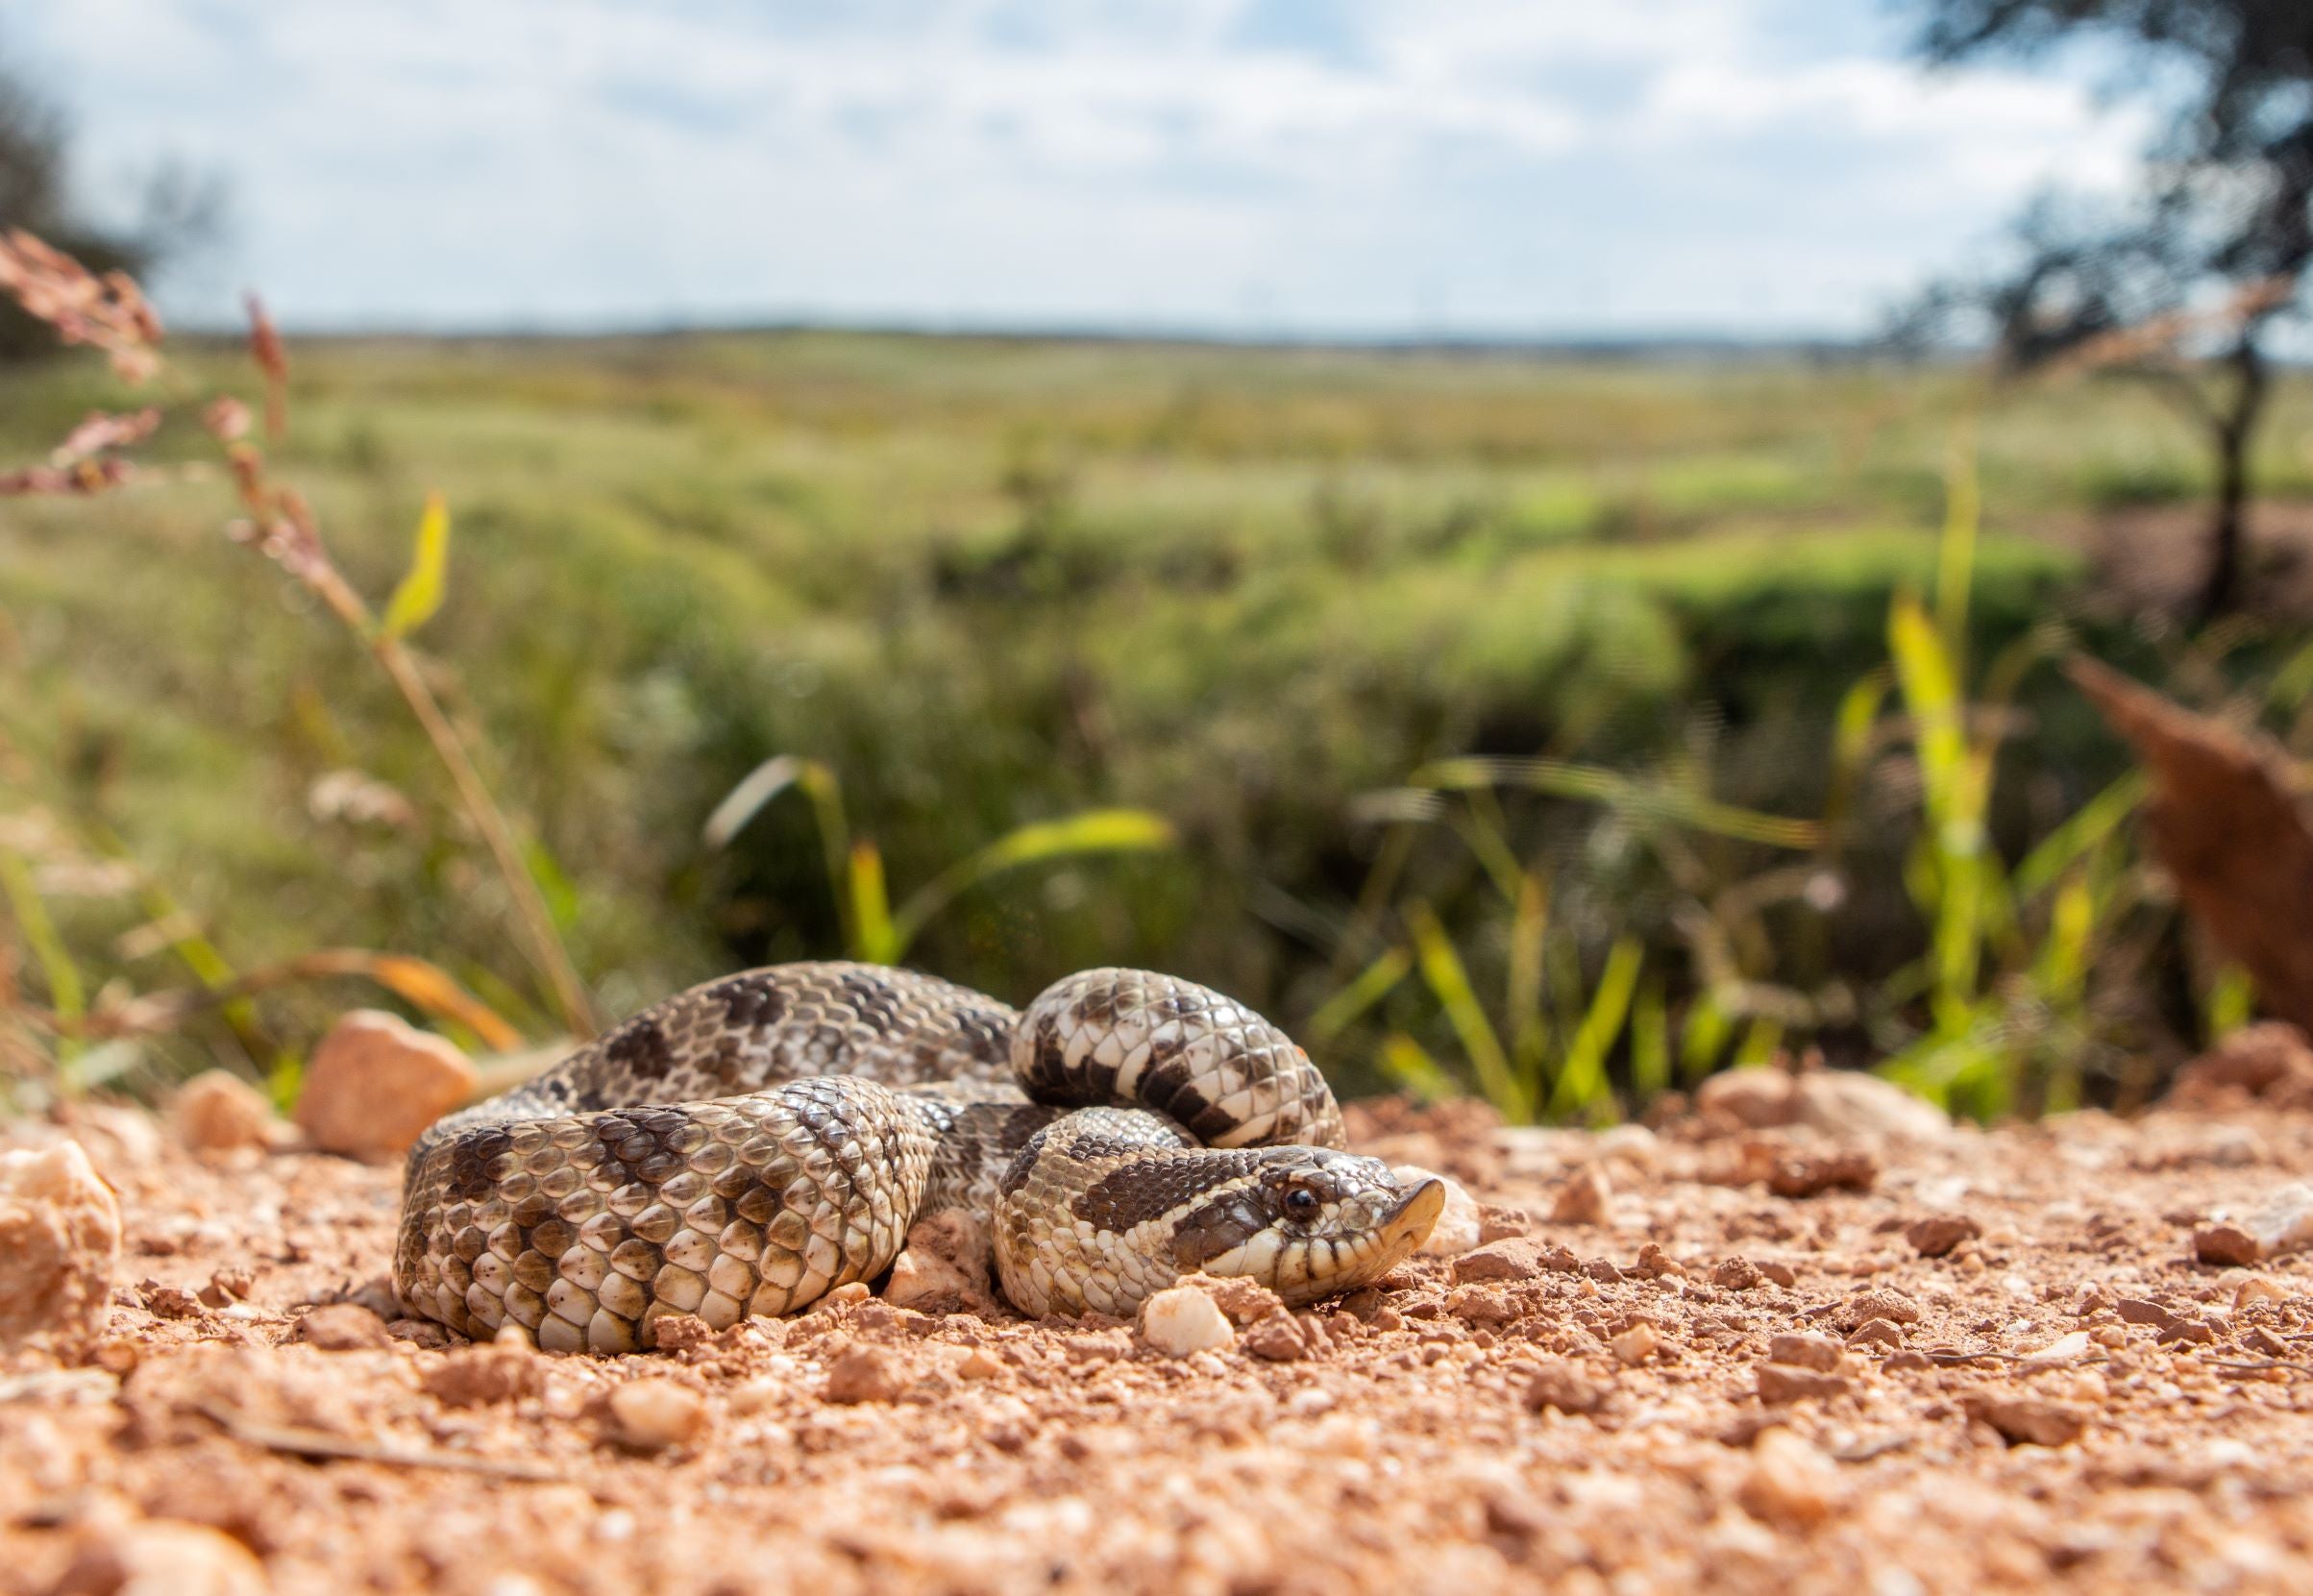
{"points": [[2185, 283], [180, 211]]}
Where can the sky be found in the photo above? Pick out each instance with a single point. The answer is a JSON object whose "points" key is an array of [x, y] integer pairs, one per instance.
{"points": [[1296, 168]]}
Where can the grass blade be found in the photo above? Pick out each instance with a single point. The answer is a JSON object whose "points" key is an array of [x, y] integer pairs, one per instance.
{"points": [[65, 994], [1073, 836], [1375, 982], [1410, 1064], [875, 940], [1655, 800], [1582, 1078], [1443, 969], [1650, 1044]]}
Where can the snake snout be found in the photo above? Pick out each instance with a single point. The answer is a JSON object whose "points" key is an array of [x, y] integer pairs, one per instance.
{"points": [[1365, 1223]]}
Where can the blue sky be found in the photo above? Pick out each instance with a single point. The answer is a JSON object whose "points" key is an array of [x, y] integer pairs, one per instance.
{"points": [[1363, 167]]}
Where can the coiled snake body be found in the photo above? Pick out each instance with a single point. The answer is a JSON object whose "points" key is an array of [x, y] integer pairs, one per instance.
{"points": [[746, 1146]]}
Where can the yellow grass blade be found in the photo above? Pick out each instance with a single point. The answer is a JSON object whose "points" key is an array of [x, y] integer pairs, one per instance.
{"points": [[420, 593]]}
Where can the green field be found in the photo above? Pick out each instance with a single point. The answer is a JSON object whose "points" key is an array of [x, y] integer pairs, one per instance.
{"points": [[990, 582]]}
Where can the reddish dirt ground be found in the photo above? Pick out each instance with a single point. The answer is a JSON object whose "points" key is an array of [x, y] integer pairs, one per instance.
{"points": [[1578, 1408]]}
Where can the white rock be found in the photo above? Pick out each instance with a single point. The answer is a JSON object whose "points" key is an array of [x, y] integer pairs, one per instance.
{"points": [[2284, 1221], [1184, 1320], [59, 1245], [1457, 1227], [2063, 1350], [1847, 1104]]}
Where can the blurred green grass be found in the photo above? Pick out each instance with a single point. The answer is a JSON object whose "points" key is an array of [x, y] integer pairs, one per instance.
{"points": [[989, 582]]}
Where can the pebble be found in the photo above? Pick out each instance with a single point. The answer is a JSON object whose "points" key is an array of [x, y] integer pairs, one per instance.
{"points": [[1279, 1339], [160, 1557], [1781, 1383], [1583, 1199], [1516, 1258], [944, 1268], [865, 1374], [1244, 1301], [1790, 1483], [1936, 1236], [479, 1376], [2257, 1289], [2062, 1350], [376, 1083], [2226, 1246], [2024, 1420], [1819, 1353], [217, 1111], [2283, 1221], [1184, 1320], [60, 1246], [1879, 1333], [1562, 1386], [653, 1414], [1461, 1224], [342, 1327], [1885, 1303], [1636, 1345]]}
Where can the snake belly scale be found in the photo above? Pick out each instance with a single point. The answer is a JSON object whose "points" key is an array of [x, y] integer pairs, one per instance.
{"points": [[747, 1147]]}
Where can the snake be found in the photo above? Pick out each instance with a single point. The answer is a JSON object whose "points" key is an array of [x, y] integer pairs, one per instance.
{"points": [[745, 1147]]}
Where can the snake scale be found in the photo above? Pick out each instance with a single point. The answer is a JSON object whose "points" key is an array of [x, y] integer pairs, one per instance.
{"points": [[748, 1145]]}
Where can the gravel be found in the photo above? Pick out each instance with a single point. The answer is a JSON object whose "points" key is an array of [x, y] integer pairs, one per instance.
{"points": [[2070, 1399]]}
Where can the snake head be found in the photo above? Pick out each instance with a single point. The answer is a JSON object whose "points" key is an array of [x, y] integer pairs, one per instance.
{"points": [[1309, 1222]]}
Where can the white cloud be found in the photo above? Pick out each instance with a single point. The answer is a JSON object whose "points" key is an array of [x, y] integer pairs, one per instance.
{"points": [[1479, 161]]}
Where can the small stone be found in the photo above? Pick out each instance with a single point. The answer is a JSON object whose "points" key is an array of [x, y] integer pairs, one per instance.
{"points": [[979, 1364], [342, 1327], [1752, 1099], [1497, 1223], [60, 1248], [1654, 1263], [1461, 1224], [1244, 1301], [1636, 1345], [1561, 1385], [2028, 1421], [2284, 1221], [669, 1333], [1780, 1274], [1819, 1353], [481, 1376], [2226, 1246], [1279, 1339], [1936, 1236], [1809, 1174], [2257, 1289], [1183, 1319], [376, 1083], [1583, 1199], [1883, 1303], [2062, 1350], [1879, 1333], [1790, 1483], [1516, 1257], [865, 1373], [1848, 1105], [170, 1302], [1097, 1346], [656, 1412], [217, 1111], [1781, 1383], [1734, 1274], [165, 1557], [944, 1268]]}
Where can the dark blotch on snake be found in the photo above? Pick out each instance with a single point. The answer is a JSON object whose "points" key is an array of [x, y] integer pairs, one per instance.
{"points": [[641, 1047], [1145, 1190], [1223, 1225]]}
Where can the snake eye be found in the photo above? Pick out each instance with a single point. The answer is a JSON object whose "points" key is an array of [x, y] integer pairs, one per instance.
{"points": [[1302, 1202]]}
